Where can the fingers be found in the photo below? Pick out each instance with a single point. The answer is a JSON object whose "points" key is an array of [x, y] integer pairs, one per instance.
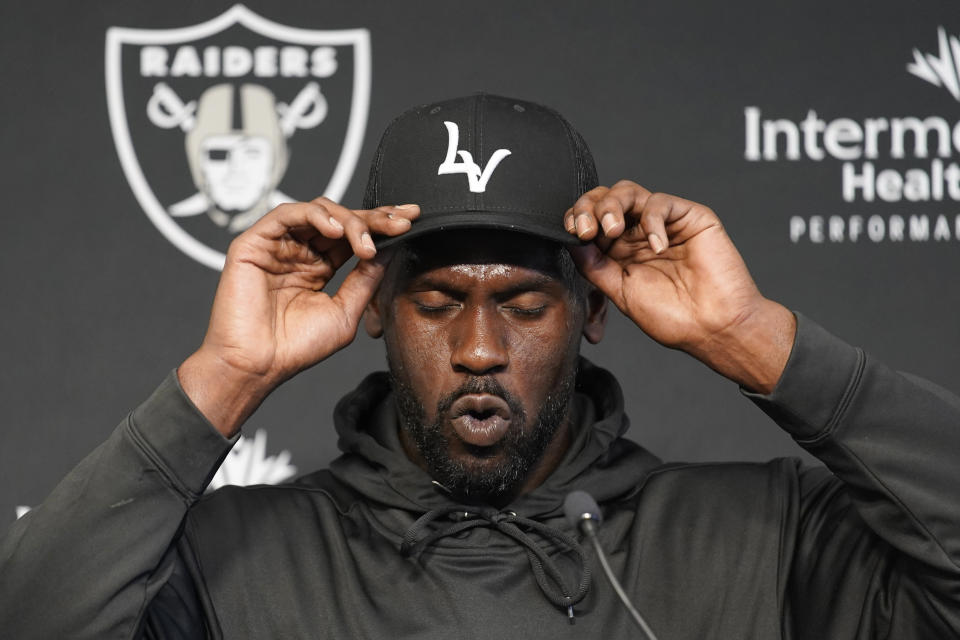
{"points": [[666, 219], [629, 211], [653, 220], [605, 212], [360, 225], [582, 218], [300, 217], [330, 230]]}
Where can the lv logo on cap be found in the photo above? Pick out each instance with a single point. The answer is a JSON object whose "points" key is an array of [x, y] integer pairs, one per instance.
{"points": [[476, 179]]}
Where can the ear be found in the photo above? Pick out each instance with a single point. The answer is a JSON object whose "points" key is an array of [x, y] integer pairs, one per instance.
{"points": [[372, 321], [596, 319]]}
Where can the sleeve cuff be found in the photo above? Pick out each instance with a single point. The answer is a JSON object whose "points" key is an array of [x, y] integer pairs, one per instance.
{"points": [[821, 374], [179, 436]]}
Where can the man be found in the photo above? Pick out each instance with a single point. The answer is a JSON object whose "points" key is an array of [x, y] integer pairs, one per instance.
{"points": [[444, 515]]}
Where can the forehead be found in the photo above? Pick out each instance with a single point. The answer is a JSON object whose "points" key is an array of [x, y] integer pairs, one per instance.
{"points": [[478, 251]]}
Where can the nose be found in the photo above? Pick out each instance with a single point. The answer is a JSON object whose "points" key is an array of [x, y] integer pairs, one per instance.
{"points": [[479, 345]]}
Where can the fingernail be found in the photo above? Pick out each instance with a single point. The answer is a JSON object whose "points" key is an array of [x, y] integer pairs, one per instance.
{"points": [[335, 224], [405, 206], [367, 241], [582, 225], [570, 224], [656, 243], [608, 221]]}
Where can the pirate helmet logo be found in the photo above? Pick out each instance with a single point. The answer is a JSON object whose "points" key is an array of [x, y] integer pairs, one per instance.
{"points": [[222, 84], [235, 165]]}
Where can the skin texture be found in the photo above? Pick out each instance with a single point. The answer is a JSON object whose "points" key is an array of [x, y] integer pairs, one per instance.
{"points": [[665, 262], [484, 313]]}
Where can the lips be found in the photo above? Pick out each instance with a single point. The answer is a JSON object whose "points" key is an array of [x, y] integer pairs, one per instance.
{"points": [[480, 419]]}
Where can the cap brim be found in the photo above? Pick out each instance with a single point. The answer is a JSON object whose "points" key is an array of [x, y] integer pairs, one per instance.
{"points": [[495, 220]]}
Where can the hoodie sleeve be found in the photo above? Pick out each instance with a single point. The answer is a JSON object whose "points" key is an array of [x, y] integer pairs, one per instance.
{"points": [[88, 561], [877, 551]]}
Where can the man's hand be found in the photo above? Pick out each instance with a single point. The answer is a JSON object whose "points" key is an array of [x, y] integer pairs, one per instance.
{"points": [[668, 264], [271, 318]]}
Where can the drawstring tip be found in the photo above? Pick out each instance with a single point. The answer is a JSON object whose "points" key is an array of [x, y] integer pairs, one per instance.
{"points": [[570, 615]]}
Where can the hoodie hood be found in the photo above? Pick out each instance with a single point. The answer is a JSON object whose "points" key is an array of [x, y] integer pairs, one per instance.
{"points": [[599, 461]]}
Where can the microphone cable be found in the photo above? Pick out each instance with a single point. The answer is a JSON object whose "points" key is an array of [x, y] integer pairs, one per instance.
{"points": [[581, 511]]}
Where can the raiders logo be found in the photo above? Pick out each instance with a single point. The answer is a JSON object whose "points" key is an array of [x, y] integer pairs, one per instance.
{"points": [[217, 123]]}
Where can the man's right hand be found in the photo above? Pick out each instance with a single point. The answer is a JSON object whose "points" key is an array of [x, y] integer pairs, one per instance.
{"points": [[271, 318]]}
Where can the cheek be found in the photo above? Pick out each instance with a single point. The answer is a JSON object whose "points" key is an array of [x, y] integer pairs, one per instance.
{"points": [[540, 357], [420, 357]]}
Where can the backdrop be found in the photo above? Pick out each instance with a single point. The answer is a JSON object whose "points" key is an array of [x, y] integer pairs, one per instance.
{"points": [[825, 134]]}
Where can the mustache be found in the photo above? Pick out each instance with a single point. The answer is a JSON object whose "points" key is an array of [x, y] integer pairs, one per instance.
{"points": [[477, 385]]}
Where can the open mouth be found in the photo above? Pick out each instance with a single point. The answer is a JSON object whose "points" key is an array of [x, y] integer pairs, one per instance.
{"points": [[480, 419]]}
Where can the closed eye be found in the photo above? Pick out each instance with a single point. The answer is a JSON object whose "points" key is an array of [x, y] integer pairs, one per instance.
{"points": [[424, 308], [527, 311]]}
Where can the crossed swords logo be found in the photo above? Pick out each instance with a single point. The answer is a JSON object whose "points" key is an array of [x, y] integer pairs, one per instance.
{"points": [[166, 110]]}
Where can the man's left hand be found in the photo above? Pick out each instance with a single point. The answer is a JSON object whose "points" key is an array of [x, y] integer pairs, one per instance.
{"points": [[668, 264]]}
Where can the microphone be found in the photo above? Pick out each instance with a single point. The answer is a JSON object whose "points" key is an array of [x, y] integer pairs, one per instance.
{"points": [[582, 512]]}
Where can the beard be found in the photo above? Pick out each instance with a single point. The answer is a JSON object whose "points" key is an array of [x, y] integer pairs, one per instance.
{"points": [[475, 479]]}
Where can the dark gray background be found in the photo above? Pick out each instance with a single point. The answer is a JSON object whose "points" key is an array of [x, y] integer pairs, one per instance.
{"points": [[98, 306]]}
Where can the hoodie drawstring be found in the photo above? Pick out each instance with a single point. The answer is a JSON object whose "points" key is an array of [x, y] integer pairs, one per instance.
{"points": [[545, 570]]}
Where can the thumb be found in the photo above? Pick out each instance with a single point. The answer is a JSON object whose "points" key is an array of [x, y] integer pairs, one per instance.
{"points": [[358, 288], [598, 268]]}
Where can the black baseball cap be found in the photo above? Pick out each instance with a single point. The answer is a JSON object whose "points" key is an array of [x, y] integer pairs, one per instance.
{"points": [[482, 162]]}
